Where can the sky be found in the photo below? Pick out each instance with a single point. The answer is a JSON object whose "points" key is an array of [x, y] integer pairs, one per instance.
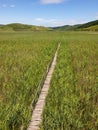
{"points": [[48, 12]]}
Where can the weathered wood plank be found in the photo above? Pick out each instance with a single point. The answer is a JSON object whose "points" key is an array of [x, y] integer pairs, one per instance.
{"points": [[36, 115]]}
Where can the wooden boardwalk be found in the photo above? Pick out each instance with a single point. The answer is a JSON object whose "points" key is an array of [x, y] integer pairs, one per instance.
{"points": [[37, 113]]}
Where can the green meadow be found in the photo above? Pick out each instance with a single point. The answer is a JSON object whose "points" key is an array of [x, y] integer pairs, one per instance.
{"points": [[72, 100]]}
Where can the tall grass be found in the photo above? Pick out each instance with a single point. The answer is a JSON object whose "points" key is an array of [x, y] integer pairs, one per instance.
{"points": [[72, 101], [23, 60]]}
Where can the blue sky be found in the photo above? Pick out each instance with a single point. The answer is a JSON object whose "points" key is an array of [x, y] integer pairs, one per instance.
{"points": [[48, 12]]}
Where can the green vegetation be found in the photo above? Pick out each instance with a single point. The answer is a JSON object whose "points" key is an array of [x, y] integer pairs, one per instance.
{"points": [[72, 101], [90, 26], [22, 27], [23, 61], [66, 28]]}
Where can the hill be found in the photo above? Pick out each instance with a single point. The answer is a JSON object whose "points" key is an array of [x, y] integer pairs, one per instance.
{"points": [[22, 27], [66, 27], [90, 26], [1, 24]]}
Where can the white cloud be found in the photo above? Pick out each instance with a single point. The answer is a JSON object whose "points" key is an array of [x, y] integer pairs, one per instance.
{"points": [[39, 19], [96, 15], [4, 5], [56, 22], [51, 1], [45, 20], [12, 6]]}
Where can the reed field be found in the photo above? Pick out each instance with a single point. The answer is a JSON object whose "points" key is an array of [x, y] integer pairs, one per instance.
{"points": [[23, 60], [72, 100]]}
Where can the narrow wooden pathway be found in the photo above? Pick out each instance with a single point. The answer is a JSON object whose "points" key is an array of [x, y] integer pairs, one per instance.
{"points": [[37, 113]]}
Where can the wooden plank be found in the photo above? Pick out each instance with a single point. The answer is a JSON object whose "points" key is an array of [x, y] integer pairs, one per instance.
{"points": [[37, 113]]}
